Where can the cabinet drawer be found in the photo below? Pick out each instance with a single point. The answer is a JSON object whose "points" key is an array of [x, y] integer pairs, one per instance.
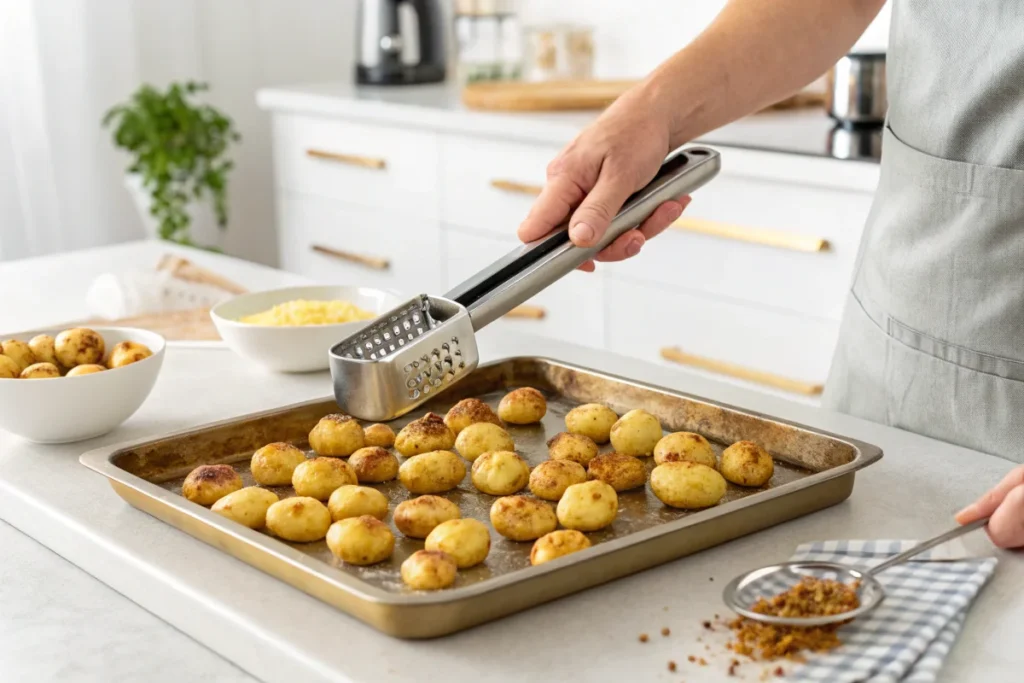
{"points": [[342, 244], [572, 307], [645, 319], [488, 185], [374, 166]]}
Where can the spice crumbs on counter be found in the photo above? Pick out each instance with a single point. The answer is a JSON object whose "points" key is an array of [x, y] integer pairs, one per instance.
{"points": [[702, 661], [671, 665], [779, 672], [643, 637], [691, 659], [707, 625], [665, 631], [732, 668]]}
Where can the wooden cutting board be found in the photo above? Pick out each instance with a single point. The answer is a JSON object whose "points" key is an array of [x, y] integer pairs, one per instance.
{"points": [[189, 325]]}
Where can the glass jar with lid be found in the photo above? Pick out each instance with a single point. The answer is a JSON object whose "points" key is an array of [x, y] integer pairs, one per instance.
{"points": [[488, 40]]}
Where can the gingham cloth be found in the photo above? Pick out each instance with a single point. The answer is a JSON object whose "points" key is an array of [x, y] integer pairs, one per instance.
{"points": [[908, 636]]}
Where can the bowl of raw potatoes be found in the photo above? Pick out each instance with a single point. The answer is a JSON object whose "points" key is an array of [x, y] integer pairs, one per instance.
{"points": [[293, 329]]}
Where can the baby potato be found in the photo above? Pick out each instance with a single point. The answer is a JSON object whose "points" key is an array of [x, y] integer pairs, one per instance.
{"points": [[207, 484], [127, 352], [687, 485], [433, 472], [9, 368], [636, 433], [79, 346], [246, 506], [361, 540], [500, 473], [40, 371], [557, 544], [20, 352], [373, 464], [482, 437], [378, 435], [589, 506], [466, 541], [574, 447], [469, 411], [275, 463], [521, 518], [687, 446], [417, 517], [87, 369], [522, 406], [300, 519], [319, 477], [621, 472], [592, 420], [429, 433], [429, 570], [747, 464], [551, 478], [42, 347], [356, 501], [336, 435]]}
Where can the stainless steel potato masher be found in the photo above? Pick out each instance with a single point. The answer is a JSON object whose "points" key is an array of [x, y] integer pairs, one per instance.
{"points": [[743, 592], [409, 354]]}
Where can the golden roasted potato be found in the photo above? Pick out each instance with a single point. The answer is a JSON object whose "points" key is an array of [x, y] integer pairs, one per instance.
{"points": [[589, 506], [9, 368], [246, 506], [557, 544], [500, 473], [275, 463], [469, 411], [300, 519], [356, 501], [685, 446], [87, 369], [378, 435], [482, 437], [43, 349], [574, 447], [20, 352], [687, 485], [747, 464], [522, 406], [551, 478], [79, 346], [636, 433], [621, 472], [429, 433], [429, 570], [433, 472], [417, 517], [361, 540], [592, 420], [40, 371], [522, 518], [466, 541], [319, 477], [373, 464], [207, 484], [336, 435], [127, 352]]}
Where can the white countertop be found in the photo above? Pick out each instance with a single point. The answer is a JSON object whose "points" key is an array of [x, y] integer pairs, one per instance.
{"points": [[276, 633]]}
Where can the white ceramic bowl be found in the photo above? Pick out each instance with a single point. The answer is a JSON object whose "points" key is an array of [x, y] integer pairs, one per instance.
{"points": [[66, 409], [302, 348]]}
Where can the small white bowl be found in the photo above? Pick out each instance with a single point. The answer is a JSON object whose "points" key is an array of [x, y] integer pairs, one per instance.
{"points": [[300, 348], [66, 409]]}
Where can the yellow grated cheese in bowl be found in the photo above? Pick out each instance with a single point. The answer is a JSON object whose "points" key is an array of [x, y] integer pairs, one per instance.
{"points": [[301, 312]]}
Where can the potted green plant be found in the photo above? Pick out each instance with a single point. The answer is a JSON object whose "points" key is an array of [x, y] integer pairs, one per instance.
{"points": [[179, 165]]}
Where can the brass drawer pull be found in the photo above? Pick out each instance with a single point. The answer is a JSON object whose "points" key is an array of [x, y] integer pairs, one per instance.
{"points": [[527, 312], [739, 372], [374, 262], [513, 186], [769, 238], [350, 159]]}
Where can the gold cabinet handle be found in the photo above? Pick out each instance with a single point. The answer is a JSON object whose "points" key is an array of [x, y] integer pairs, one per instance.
{"points": [[527, 312], [374, 262], [513, 186], [770, 238], [350, 159], [739, 372]]}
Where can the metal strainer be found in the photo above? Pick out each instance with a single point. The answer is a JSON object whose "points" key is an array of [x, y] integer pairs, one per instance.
{"points": [[743, 592], [406, 356]]}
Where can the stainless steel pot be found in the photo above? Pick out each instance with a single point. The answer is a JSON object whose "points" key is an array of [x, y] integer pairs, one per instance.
{"points": [[856, 89]]}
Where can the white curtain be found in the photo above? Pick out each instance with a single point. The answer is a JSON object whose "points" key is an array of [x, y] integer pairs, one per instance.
{"points": [[63, 63]]}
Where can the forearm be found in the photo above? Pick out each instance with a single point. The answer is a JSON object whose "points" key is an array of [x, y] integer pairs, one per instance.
{"points": [[754, 54]]}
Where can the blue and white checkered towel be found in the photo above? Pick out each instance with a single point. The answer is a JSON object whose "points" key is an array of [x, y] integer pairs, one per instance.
{"points": [[908, 636]]}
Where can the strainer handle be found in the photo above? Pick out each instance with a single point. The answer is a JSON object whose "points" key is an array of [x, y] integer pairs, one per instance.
{"points": [[927, 545], [521, 274]]}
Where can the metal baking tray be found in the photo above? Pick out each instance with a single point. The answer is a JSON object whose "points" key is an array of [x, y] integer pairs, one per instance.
{"points": [[813, 470]]}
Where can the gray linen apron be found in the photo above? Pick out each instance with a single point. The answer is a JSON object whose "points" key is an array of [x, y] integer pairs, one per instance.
{"points": [[932, 339]]}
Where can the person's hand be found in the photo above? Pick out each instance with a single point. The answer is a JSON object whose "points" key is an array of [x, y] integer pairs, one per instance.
{"points": [[607, 162], [1005, 506]]}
